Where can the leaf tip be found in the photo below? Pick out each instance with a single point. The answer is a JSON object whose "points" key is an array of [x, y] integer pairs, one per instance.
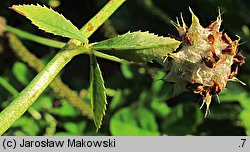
{"points": [[15, 8], [98, 123], [12, 7]]}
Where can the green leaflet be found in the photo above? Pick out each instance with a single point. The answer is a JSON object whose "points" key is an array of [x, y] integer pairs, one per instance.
{"points": [[97, 92], [138, 46], [22, 73], [50, 21]]}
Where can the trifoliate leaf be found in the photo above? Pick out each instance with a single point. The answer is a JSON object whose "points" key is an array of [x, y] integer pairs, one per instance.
{"points": [[138, 46], [97, 92], [50, 21]]}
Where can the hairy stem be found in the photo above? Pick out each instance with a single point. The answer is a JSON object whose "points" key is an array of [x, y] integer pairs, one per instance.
{"points": [[52, 123]]}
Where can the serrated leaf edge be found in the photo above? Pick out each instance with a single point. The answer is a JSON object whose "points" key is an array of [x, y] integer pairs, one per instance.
{"points": [[104, 93], [94, 46], [80, 38]]}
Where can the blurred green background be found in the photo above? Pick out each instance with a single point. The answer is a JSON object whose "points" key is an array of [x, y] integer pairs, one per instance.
{"points": [[139, 103]]}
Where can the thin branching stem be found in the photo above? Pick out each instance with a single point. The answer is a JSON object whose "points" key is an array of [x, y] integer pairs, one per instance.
{"points": [[5, 84]]}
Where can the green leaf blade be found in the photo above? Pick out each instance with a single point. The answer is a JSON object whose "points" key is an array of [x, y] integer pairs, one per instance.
{"points": [[50, 21], [138, 46], [97, 92]]}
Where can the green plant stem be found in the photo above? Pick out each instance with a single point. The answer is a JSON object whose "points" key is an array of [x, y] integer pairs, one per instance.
{"points": [[8, 86], [57, 85], [108, 57], [89, 28], [35, 38], [28, 96], [35, 114]]}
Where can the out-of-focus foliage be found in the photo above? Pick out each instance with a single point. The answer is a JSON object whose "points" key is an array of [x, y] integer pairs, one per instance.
{"points": [[140, 103]]}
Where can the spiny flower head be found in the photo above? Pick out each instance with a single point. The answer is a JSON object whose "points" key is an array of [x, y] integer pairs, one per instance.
{"points": [[205, 61]]}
